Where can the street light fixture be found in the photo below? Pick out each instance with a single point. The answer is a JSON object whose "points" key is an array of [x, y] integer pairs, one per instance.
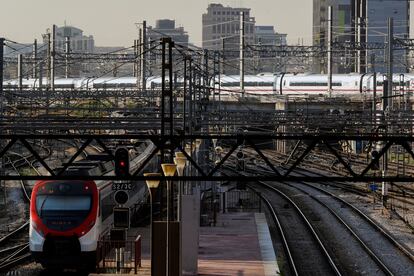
{"points": [[180, 162], [179, 154], [188, 149], [152, 185], [169, 171], [198, 143]]}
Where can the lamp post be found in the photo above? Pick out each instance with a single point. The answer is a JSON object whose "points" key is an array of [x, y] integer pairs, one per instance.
{"points": [[152, 187], [189, 151], [169, 171], [180, 162]]}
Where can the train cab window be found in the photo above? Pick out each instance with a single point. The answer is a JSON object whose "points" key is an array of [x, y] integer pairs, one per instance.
{"points": [[50, 204], [63, 212]]}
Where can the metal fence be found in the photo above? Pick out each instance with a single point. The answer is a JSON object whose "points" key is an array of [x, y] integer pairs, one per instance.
{"points": [[242, 201], [118, 256]]}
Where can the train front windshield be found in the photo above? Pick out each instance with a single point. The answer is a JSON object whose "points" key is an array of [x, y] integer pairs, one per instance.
{"points": [[63, 212], [64, 205], [60, 204]]}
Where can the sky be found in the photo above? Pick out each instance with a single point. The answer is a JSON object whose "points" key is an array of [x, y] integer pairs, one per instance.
{"points": [[112, 22]]}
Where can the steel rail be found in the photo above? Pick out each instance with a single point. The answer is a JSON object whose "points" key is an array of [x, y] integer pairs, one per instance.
{"points": [[380, 263], [379, 228], [309, 225], [276, 220]]}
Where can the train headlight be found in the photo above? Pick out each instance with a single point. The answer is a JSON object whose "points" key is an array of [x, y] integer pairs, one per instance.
{"points": [[88, 227]]}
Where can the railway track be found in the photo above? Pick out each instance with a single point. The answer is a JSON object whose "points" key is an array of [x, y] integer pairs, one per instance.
{"points": [[398, 199], [299, 242], [361, 227], [286, 246], [17, 254], [387, 254]]}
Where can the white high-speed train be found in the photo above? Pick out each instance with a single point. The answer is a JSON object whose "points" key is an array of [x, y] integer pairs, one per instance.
{"points": [[313, 84], [262, 84]]}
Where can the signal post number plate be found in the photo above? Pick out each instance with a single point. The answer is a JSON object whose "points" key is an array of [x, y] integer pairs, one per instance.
{"points": [[122, 186]]}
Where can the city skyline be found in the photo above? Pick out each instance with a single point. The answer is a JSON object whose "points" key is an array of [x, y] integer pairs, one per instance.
{"points": [[106, 32]]}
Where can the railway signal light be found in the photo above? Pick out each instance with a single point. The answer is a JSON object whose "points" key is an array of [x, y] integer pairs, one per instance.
{"points": [[375, 165], [121, 197], [122, 162], [121, 217], [240, 161]]}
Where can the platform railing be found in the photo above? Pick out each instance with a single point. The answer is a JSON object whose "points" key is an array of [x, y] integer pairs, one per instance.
{"points": [[119, 256]]}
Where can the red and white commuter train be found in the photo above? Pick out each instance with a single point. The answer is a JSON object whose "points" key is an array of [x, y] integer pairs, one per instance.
{"points": [[69, 218]]}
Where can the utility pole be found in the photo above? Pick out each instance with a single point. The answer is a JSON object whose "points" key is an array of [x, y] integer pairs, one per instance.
{"points": [[223, 56], [206, 76], [1, 70], [1, 112], [359, 28], [67, 52], [167, 128], [329, 69], [137, 55], [358, 38], [135, 67], [47, 38], [242, 19], [186, 59], [167, 119], [34, 57], [20, 71], [390, 61], [40, 75], [52, 58], [143, 67], [374, 97], [387, 102]]}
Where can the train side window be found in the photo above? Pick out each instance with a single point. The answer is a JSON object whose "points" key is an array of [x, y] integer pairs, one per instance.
{"points": [[284, 83]]}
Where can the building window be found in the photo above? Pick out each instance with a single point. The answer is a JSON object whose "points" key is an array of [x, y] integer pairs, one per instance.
{"points": [[214, 29]]}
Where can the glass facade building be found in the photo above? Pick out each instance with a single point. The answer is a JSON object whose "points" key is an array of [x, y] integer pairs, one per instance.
{"points": [[378, 12], [367, 18]]}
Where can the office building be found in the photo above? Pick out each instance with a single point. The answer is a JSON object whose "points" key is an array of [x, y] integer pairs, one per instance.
{"points": [[360, 21], [266, 35], [167, 28], [221, 25], [79, 43]]}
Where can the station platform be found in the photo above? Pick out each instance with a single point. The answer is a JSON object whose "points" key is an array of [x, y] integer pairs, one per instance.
{"points": [[240, 244]]}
